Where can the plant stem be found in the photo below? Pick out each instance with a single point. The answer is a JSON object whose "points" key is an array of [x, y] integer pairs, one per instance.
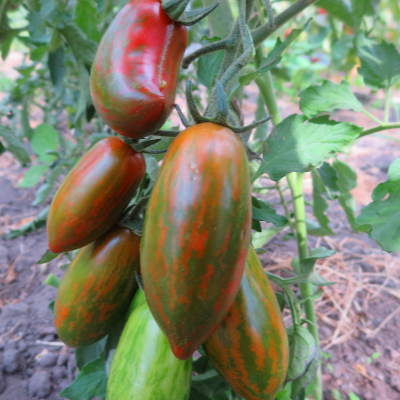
{"points": [[285, 207], [221, 19], [381, 128], [387, 106], [261, 33], [295, 182], [377, 120]]}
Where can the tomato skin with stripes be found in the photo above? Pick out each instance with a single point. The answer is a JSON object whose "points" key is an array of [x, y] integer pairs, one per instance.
{"points": [[144, 367], [135, 71], [97, 288], [94, 194], [250, 348], [196, 234]]}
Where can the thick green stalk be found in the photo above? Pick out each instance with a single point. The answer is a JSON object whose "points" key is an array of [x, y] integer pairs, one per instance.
{"points": [[221, 19], [295, 182]]}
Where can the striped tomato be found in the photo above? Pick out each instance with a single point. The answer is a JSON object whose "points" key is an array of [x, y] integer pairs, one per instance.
{"points": [[144, 367], [94, 194], [97, 288], [196, 234], [250, 348], [135, 72]]}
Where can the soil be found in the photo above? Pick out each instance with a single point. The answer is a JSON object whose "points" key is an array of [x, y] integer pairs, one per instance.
{"points": [[359, 317]]}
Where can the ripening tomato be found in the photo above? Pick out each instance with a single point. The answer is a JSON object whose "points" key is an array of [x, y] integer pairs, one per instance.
{"points": [[250, 348], [196, 234], [135, 72], [94, 194], [97, 288]]}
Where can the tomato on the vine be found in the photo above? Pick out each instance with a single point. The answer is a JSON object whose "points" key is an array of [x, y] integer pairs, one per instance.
{"points": [[250, 348], [97, 288], [135, 72], [196, 234], [94, 194]]}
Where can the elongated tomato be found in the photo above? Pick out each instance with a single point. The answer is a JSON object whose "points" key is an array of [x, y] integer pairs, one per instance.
{"points": [[135, 71], [250, 348], [94, 194], [97, 288], [144, 367], [196, 234]]}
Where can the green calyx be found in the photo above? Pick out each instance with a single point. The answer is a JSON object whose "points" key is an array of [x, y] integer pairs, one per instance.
{"points": [[133, 217], [222, 115], [176, 11]]}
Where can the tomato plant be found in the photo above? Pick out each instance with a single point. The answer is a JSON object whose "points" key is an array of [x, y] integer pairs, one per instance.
{"points": [[197, 205]]}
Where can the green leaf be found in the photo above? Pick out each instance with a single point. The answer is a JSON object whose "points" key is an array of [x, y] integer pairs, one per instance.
{"points": [[47, 257], [37, 223], [308, 377], [317, 280], [353, 396], [152, 167], [209, 65], [297, 146], [32, 176], [84, 51], [320, 205], [85, 355], [56, 66], [281, 300], [329, 179], [89, 383], [47, 7], [259, 239], [85, 18], [53, 281], [362, 8], [38, 53], [302, 351], [328, 97], [14, 145], [5, 44], [347, 180], [340, 9], [263, 212], [44, 190], [381, 218], [307, 264], [275, 55], [44, 138], [83, 48], [380, 63]]}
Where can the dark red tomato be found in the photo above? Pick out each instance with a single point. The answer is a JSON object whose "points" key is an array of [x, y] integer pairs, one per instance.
{"points": [[97, 288], [135, 71], [94, 194], [250, 348], [196, 234]]}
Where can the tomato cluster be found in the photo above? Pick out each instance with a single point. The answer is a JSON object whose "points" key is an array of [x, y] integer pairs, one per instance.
{"points": [[203, 282]]}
